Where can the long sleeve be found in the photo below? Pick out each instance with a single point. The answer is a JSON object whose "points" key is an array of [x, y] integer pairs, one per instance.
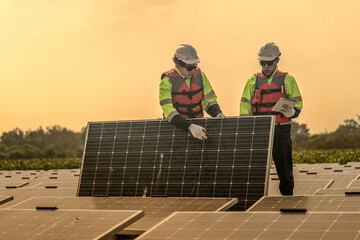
{"points": [[293, 92], [209, 103], [245, 102]]}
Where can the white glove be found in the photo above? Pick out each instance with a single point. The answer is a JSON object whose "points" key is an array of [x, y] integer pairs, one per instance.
{"points": [[198, 131], [288, 111], [220, 115]]}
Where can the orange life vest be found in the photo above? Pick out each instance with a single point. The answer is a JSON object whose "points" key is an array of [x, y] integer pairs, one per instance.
{"points": [[265, 96], [187, 101]]}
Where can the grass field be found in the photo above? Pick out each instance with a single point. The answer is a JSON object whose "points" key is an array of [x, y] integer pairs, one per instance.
{"points": [[341, 156]]}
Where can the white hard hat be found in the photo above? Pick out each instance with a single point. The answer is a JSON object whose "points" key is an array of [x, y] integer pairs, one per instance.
{"points": [[268, 52], [187, 54]]}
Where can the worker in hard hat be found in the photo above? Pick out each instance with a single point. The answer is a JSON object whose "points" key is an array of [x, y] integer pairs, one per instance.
{"points": [[261, 93], [185, 92]]}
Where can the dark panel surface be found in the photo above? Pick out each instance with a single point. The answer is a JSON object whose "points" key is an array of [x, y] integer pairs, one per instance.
{"points": [[152, 158]]}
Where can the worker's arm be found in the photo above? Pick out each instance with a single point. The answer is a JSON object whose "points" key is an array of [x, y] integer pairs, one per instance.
{"points": [[293, 92], [209, 103], [166, 104], [245, 102]]}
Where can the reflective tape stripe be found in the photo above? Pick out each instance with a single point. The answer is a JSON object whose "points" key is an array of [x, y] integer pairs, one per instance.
{"points": [[209, 95], [171, 115], [165, 101], [283, 123], [209, 105], [245, 100], [297, 98]]}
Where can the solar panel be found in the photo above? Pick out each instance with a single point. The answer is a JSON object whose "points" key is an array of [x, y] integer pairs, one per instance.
{"points": [[64, 224], [155, 209], [310, 203], [336, 191], [302, 186], [340, 179], [354, 184], [22, 194], [256, 225], [152, 158]]}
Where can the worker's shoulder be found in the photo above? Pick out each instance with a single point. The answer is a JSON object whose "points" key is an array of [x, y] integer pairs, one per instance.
{"points": [[252, 79], [165, 81], [166, 74], [289, 77]]}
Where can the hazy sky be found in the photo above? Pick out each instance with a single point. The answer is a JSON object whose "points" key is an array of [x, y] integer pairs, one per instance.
{"points": [[69, 62]]}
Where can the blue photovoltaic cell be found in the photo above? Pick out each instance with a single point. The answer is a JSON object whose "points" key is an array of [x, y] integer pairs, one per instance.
{"points": [[152, 158]]}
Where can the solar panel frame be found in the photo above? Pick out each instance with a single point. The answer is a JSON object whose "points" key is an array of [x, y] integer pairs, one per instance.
{"points": [[153, 158]]}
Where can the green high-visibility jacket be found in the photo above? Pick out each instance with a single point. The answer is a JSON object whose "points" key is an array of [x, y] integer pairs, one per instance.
{"points": [[291, 89], [165, 97]]}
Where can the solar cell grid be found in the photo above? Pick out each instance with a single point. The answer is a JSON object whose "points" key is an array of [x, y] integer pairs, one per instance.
{"points": [[302, 186], [240, 225], [340, 179], [152, 158], [310, 203], [155, 209], [64, 224]]}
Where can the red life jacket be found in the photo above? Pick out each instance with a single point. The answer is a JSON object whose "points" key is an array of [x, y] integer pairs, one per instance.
{"points": [[187, 101], [265, 96]]}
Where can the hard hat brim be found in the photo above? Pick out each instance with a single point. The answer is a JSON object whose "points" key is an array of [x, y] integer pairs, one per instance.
{"points": [[191, 61], [262, 58]]}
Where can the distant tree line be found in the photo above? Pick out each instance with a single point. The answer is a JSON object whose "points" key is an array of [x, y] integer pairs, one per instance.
{"points": [[59, 142], [52, 142], [346, 136]]}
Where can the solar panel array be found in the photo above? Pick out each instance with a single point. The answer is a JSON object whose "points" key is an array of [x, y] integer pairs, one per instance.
{"points": [[333, 214], [155, 209], [153, 158], [256, 225]]}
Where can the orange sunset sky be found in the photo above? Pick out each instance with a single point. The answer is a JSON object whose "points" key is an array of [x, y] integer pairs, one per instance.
{"points": [[68, 62]]}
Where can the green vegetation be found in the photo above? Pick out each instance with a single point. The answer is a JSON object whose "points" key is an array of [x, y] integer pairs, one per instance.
{"points": [[53, 142], [346, 136], [59, 148], [341, 156], [41, 164]]}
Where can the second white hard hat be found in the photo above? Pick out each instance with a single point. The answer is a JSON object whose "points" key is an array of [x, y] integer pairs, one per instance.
{"points": [[187, 54], [268, 52]]}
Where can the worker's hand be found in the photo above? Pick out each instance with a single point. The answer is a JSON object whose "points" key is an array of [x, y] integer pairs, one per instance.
{"points": [[288, 112], [220, 115], [198, 131]]}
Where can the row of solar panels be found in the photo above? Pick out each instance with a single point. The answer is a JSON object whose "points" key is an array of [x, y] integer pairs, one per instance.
{"points": [[46, 207]]}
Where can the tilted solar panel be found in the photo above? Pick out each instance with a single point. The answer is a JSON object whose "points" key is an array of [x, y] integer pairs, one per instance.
{"points": [[152, 158]]}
